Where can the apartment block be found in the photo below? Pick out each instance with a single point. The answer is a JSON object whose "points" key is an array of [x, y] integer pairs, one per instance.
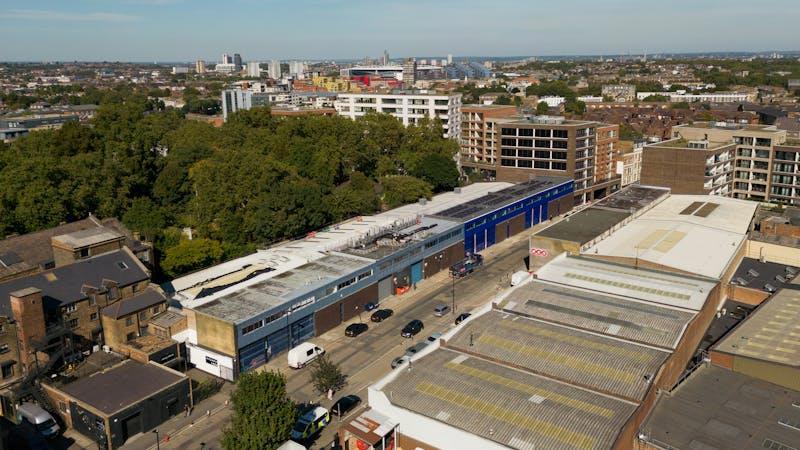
{"points": [[238, 99], [478, 136], [690, 167], [765, 161], [629, 164], [408, 106], [619, 92], [554, 146]]}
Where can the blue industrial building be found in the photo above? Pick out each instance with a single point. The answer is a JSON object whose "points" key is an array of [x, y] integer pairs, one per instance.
{"points": [[246, 311]]}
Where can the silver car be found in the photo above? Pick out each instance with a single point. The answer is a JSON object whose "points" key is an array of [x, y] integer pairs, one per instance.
{"points": [[440, 310]]}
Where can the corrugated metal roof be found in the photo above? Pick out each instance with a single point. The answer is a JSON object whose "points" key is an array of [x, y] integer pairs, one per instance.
{"points": [[771, 333], [508, 406], [598, 363], [609, 315]]}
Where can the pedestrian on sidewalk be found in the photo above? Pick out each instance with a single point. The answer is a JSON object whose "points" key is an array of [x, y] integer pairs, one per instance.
{"points": [[186, 409]]}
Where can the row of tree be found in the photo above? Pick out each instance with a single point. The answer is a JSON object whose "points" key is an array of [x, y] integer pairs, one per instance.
{"points": [[256, 180]]}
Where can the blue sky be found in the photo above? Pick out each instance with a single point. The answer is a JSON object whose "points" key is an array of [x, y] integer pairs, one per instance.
{"points": [[184, 30]]}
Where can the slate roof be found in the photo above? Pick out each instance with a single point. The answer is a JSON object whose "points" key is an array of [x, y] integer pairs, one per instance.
{"points": [[138, 302]]}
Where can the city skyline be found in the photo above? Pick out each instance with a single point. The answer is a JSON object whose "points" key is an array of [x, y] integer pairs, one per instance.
{"points": [[177, 30]]}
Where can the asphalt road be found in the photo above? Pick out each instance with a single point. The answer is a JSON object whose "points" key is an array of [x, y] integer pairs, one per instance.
{"points": [[367, 358]]}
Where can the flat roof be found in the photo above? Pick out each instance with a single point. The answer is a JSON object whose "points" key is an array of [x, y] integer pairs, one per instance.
{"points": [[495, 200], [338, 237], [683, 143], [697, 234], [632, 320], [719, 409], [265, 293], [632, 197], [122, 385], [601, 364], [86, 237], [392, 241], [771, 333], [663, 288], [585, 225], [511, 407], [757, 275]]}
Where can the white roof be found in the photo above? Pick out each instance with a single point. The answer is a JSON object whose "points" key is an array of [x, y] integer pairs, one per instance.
{"points": [[696, 234], [292, 254], [688, 293]]}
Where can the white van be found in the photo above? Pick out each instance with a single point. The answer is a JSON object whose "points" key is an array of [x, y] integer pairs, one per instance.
{"points": [[39, 418], [519, 277], [304, 354]]}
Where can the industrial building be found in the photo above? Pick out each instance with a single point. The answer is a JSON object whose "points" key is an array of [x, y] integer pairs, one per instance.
{"points": [[243, 312]]}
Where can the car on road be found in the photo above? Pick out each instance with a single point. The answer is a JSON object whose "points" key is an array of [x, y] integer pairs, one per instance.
{"points": [[354, 329], [345, 405], [400, 360], [433, 338], [304, 354], [381, 315], [440, 310], [412, 328], [416, 348], [310, 423], [462, 317], [370, 306]]}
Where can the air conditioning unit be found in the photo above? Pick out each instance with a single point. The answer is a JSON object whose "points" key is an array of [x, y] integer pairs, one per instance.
{"points": [[107, 349]]}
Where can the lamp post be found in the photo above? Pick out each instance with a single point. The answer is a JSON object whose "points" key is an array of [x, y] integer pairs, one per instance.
{"points": [[158, 441], [453, 311]]}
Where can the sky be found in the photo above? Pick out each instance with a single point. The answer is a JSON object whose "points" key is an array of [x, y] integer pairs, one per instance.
{"points": [[186, 30]]}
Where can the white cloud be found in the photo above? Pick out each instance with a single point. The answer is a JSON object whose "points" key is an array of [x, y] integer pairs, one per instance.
{"points": [[39, 14]]}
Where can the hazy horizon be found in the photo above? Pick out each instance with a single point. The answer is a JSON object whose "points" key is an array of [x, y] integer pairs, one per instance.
{"points": [[183, 30]]}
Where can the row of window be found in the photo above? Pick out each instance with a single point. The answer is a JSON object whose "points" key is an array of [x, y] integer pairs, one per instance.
{"points": [[530, 143], [527, 164], [538, 132], [539, 154]]}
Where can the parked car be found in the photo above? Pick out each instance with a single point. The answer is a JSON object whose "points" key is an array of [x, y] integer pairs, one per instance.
{"points": [[39, 418], [416, 348], [433, 338], [345, 405], [381, 315], [354, 329], [519, 277], [310, 423], [304, 354], [400, 360], [370, 306], [466, 266], [440, 310], [412, 328], [462, 317]]}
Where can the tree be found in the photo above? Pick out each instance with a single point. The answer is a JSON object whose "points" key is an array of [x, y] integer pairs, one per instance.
{"points": [[628, 133], [656, 98], [145, 217], [680, 105], [438, 170], [401, 189], [263, 414], [327, 376], [190, 255], [542, 108], [503, 100], [575, 106]]}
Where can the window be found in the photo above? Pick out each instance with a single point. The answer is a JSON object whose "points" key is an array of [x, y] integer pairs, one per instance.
{"points": [[129, 321], [135, 288], [560, 133], [509, 142], [252, 327], [525, 143], [526, 132], [83, 253], [363, 275], [508, 152], [346, 283], [541, 154], [92, 300], [3, 348], [559, 144], [559, 166], [303, 304], [143, 315], [71, 308], [509, 132], [542, 133], [72, 323], [524, 163], [525, 153], [507, 162], [541, 165], [559, 155], [156, 309], [310, 352], [8, 370], [93, 316], [211, 361], [542, 144]]}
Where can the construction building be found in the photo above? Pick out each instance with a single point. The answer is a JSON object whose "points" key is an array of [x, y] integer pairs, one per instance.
{"points": [[244, 312]]}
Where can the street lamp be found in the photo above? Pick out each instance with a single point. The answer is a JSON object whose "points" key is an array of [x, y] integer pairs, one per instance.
{"points": [[453, 311], [158, 441]]}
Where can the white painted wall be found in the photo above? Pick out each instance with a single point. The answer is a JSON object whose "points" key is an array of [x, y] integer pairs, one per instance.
{"points": [[197, 356]]}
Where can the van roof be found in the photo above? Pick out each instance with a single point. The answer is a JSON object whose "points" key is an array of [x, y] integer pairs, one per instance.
{"points": [[35, 411], [305, 345], [315, 413]]}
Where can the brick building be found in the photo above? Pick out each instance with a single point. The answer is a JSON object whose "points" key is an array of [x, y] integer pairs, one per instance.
{"points": [[478, 137]]}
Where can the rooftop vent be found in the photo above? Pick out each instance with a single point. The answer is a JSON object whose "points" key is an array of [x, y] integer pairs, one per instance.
{"points": [[770, 288], [780, 279], [791, 271], [753, 273]]}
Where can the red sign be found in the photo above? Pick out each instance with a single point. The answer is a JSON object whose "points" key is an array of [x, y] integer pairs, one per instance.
{"points": [[541, 252]]}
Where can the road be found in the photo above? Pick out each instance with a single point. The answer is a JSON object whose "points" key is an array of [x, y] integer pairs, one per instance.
{"points": [[367, 358]]}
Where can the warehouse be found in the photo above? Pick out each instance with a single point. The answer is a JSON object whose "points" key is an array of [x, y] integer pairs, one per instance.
{"points": [[502, 214], [243, 312], [580, 230]]}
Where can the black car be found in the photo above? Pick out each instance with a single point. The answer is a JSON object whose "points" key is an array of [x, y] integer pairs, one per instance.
{"points": [[413, 327], [345, 404], [381, 315], [370, 306], [355, 329], [462, 317]]}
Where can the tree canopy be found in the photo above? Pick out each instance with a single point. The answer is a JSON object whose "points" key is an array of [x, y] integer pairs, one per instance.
{"points": [[263, 414], [256, 180]]}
